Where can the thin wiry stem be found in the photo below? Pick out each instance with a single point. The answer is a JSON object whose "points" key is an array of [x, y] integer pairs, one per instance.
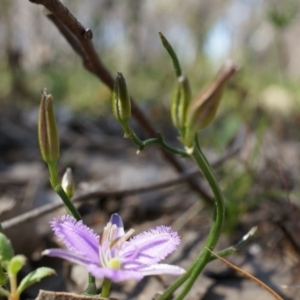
{"points": [[92, 62]]}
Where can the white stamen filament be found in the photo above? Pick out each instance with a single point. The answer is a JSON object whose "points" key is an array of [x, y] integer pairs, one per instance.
{"points": [[108, 243]]}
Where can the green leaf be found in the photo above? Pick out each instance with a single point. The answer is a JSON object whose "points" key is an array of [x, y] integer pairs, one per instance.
{"points": [[34, 277], [6, 250], [16, 264], [4, 292], [3, 276]]}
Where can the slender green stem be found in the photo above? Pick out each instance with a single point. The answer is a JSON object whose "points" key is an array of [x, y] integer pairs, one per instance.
{"points": [[52, 167], [153, 141], [72, 210], [91, 289], [135, 139], [216, 226], [204, 256], [235, 248], [105, 288]]}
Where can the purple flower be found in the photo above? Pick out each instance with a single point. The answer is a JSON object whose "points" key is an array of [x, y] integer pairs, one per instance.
{"points": [[112, 255]]}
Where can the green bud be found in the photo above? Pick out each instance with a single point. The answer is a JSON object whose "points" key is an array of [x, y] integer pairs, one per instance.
{"points": [[6, 250], [170, 50], [202, 109], [47, 131], [16, 264], [180, 101], [121, 101], [67, 183]]}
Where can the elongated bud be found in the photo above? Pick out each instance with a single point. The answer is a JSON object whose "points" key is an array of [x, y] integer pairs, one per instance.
{"points": [[181, 99], [67, 183], [170, 50], [202, 109], [47, 131], [121, 101]]}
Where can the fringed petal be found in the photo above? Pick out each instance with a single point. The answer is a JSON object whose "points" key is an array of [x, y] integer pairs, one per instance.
{"points": [[77, 237], [150, 247], [113, 274]]}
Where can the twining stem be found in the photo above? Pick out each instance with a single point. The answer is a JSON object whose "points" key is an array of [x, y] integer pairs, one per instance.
{"points": [[204, 256], [105, 288], [129, 133]]}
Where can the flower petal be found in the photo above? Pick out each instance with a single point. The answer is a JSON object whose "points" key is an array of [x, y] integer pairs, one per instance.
{"points": [[151, 246], [64, 254], [113, 274], [77, 237], [158, 269]]}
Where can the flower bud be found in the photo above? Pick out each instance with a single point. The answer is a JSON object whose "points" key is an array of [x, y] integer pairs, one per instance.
{"points": [[68, 183], [47, 131], [181, 99], [121, 101], [202, 109]]}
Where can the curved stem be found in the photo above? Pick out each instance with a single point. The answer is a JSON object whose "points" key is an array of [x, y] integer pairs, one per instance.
{"points": [[153, 141], [216, 227], [72, 210], [204, 256]]}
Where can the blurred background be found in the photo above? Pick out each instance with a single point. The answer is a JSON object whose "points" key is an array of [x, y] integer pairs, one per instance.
{"points": [[260, 36], [260, 109]]}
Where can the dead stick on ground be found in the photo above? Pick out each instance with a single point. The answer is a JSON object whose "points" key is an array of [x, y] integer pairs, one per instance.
{"points": [[80, 39], [38, 212], [248, 275]]}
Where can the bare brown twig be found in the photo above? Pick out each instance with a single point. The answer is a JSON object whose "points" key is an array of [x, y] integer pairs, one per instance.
{"points": [[38, 212], [80, 39]]}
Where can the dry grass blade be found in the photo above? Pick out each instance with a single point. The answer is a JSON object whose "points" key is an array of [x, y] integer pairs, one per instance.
{"points": [[246, 274]]}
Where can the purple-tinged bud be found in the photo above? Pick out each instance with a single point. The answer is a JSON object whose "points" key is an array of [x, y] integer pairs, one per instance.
{"points": [[47, 131], [180, 101], [203, 108], [67, 183], [121, 101]]}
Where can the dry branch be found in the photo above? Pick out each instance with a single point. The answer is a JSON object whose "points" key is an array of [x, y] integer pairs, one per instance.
{"points": [[80, 39]]}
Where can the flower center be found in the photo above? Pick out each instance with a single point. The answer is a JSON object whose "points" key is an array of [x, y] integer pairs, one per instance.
{"points": [[110, 246], [114, 263]]}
